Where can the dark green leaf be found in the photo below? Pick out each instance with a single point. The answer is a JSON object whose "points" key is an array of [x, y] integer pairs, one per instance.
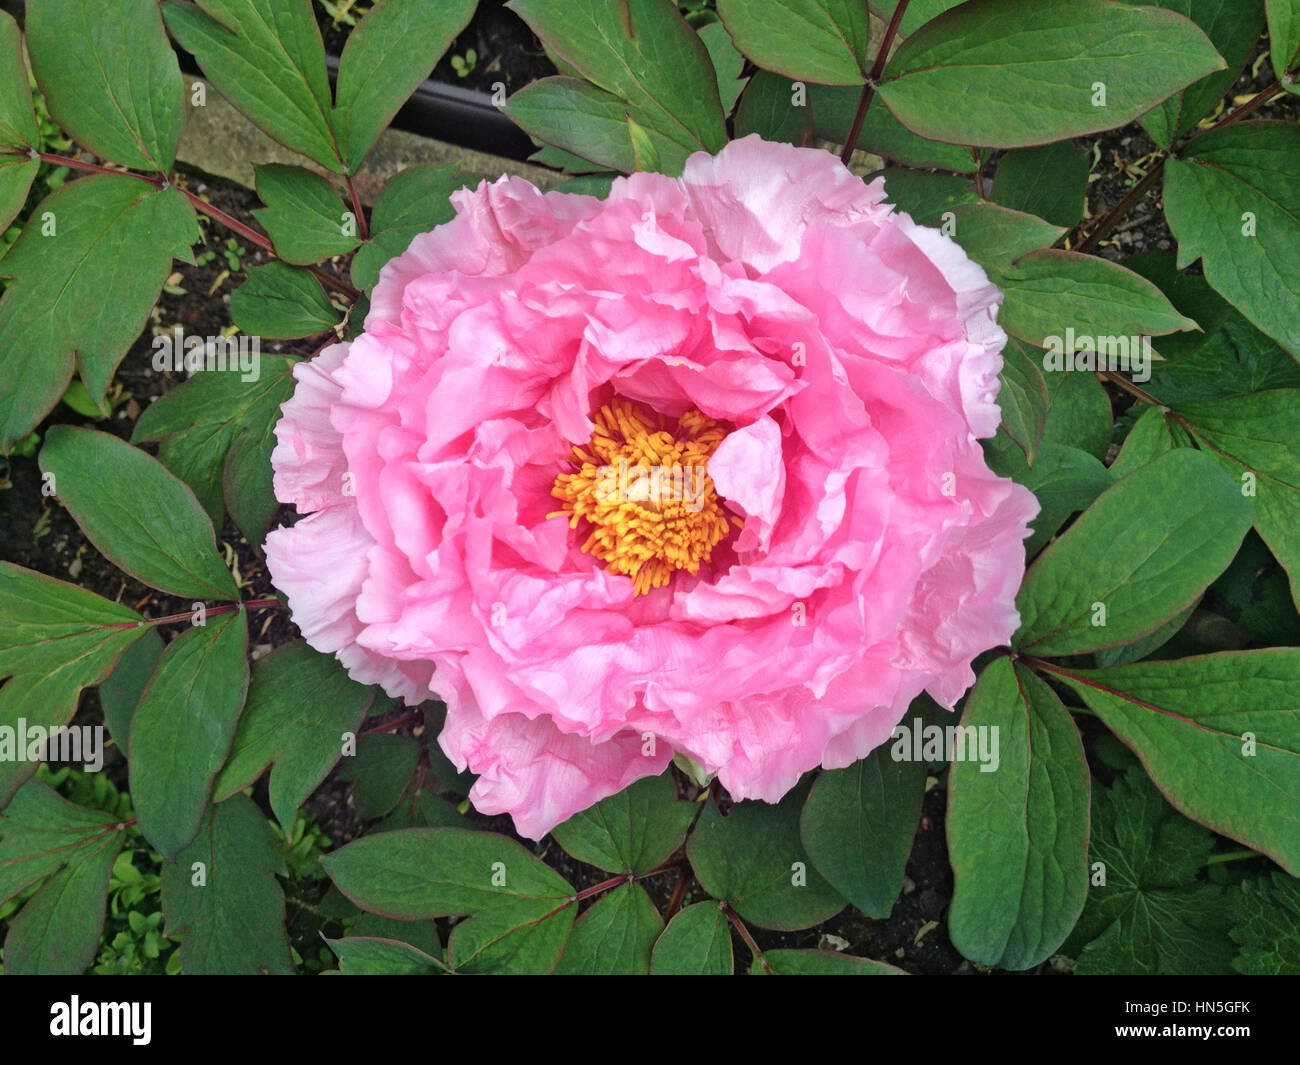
{"points": [[822, 963], [834, 108], [120, 693], [301, 705], [1169, 528], [393, 49], [217, 432], [1149, 915], [857, 827], [138, 514], [183, 727], [1017, 825], [727, 63], [1232, 200], [768, 108], [1266, 922], [414, 202], [17, 123], [631, 832], [808, 40], [1284, 38], [267, 58], [697, 942], [1007, 74], [382, 768], [1050, 181], [1023, 398], [303, 216], [81, 294], [615, 936], [1220, 736], [928, 198], [282, 302], [362, 956], [109, 77], [221, 896], [754, 860]]}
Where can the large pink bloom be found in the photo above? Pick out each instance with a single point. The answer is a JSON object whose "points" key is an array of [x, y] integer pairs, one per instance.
{"points": [[850, 356]]}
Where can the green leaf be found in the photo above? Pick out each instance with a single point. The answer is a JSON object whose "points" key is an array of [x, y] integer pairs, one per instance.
{"points": [[1023, 398], [644, 53], [120, 692], [1149, 916], [362, 956], [221, 896], [768, 109], [808, 40], [110, 78], [1080, 414], [1266, 922], [413, 202], [630, 832], [267, 58], [822, 963], [18, 128], [393, 49], [918, 12], [140, 516], [1018, 832], [1284, 39], [727, 63], [754, 860], [1063, 480], [382, 768], [282, 302], [1233, 26], [579, 118], [1006, 74], [40, 832], [697, 942], [183, 727], [1259, 435], [834, 108], [521, 910], [215, 423], [81, 295], [927, 197], [857, 827], [421, 873], [1168, 530], [303, 216], [1152, 435], [615, 936], [1230, 358], [301, 705], [1050, 181], [1231, 200], [995, 237], [1220, 736], [48, 624], [1133, 652], [58, 930], [1050, 291]]}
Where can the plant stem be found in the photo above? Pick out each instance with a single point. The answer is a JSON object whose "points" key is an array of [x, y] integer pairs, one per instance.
{"points": [[1139, 190], [215, 213], [362, 226], [869, 89], [172, 619], [1231, 856], [739, 925]]}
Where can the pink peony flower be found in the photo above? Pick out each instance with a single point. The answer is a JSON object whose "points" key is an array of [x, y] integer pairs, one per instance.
{"points": [[693, 469]]}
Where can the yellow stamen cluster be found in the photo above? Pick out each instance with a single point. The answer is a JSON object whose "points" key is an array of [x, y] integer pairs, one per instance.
{"points": [[641, 488]]}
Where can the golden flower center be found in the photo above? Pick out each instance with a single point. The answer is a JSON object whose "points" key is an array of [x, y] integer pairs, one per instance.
{"points": [[642, 487]]}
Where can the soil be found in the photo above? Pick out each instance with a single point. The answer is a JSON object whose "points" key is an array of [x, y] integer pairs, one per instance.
{"points": [[505, 49]]}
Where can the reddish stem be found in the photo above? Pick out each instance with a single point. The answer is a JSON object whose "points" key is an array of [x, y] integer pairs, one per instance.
{"points": [[869, 89], [739, 925], [171, 619], [362, 227]]}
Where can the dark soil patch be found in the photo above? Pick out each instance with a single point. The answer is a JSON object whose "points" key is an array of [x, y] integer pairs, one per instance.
{"points": [[505, 49]]}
